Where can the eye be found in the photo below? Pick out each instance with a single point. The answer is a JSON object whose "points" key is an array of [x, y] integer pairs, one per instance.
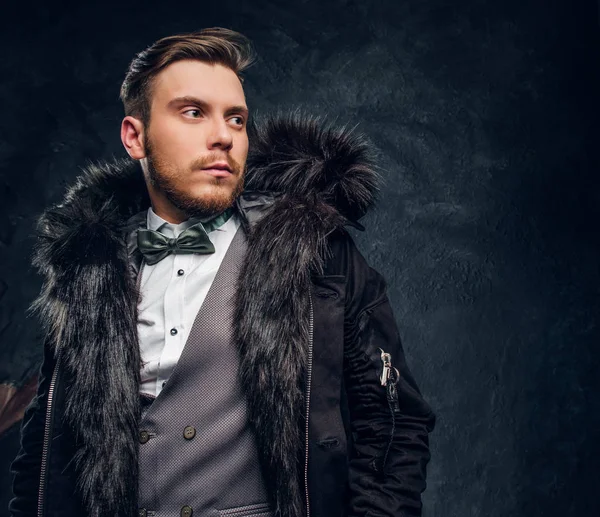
{"points": [[240, 119], [194, 110]]}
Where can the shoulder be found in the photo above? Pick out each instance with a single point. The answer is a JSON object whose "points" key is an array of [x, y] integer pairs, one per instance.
{"points": [[364, 285]]}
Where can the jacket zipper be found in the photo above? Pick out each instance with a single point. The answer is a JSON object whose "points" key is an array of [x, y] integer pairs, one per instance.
{"points": [[389, 378], [308, 380], [46, 442]]}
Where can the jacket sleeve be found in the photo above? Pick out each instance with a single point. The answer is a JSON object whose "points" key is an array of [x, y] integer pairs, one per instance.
{"points": [[389, 424], [26, 465]]}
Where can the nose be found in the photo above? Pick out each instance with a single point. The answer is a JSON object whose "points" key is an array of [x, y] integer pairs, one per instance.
{"points": [[220, 135]]}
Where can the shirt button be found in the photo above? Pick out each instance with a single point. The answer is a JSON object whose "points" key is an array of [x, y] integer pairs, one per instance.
{"points": [[186, 511], [189, 432], [164, 384], [180, 272], [173, 331], [144, 437]]}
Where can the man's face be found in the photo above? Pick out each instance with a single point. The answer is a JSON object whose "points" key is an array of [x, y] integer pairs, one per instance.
{"points": [[198, 117]]}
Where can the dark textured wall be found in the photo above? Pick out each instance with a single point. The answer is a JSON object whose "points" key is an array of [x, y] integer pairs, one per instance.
{"points": [[485, 115]]}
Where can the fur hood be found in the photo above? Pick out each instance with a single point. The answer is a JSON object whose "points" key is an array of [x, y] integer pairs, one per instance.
{"points": [[304, 179]]}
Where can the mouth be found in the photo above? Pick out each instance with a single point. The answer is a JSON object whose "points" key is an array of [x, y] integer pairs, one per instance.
{"points": [[220, 170], [218, 173]]}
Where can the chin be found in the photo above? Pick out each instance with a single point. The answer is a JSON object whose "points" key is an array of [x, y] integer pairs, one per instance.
{"points": [[212, 193], [204, 201]]}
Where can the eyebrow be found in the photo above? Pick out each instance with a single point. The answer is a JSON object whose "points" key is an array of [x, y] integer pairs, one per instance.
{"points": [[203, 104]]}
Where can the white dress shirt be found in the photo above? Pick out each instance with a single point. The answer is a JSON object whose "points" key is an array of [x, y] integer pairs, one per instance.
{"points": [[172, 292]]}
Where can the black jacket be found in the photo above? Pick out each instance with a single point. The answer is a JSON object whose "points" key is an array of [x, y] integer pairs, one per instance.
{"points": [[313, 323]]}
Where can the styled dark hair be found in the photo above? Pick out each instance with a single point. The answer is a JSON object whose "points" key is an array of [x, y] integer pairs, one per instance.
{"points": [[215, 45]]}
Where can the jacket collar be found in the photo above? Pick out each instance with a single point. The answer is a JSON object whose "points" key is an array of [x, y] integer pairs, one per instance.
{"points": [[304, 180]]}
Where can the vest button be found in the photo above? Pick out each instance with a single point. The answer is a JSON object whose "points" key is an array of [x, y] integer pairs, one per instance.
{"points": [[189, 432], [142, 512], [144, 437], [173, 332], [186, 511]]}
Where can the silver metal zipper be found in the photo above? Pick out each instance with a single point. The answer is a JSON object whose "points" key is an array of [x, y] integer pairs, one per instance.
{"points": [[308, 380], [389, 378], [386, 359], [46, 444]]}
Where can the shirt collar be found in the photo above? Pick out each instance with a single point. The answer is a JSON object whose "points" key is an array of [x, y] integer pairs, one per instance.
{"points": [[157, 223]]}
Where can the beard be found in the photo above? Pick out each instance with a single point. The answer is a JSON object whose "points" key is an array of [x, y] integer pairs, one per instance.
{"points": [[170, 180]]}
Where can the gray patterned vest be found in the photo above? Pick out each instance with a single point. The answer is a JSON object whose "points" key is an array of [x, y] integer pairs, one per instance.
{"points": [[197, 452]]}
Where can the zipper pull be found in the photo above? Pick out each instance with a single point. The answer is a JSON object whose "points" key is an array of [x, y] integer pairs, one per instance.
{"points": [[386, 359], [389, 379]]}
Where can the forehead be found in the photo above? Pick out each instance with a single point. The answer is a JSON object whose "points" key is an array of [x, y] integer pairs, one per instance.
{"points": [[213, 83]]}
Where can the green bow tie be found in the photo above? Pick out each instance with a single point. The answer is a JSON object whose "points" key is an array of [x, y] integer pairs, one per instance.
{"points": [[155, 246]]}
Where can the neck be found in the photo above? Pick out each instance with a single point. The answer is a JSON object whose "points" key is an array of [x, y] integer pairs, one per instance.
{"points": [[163, 208], [173, 215]]}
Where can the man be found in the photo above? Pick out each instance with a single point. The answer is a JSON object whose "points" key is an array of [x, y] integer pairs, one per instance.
{"points": [[215, 343]]}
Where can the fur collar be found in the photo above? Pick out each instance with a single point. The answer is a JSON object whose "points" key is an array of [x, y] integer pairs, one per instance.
{"points": [[304, 180]]}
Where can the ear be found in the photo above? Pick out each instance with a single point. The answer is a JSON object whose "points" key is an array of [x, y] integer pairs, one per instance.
{"points": [[132, 136]]}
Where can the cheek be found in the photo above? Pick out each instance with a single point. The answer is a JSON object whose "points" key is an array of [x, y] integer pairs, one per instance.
{"points": [[179, 142], [241, 147], [176, 156], [183, 148]]}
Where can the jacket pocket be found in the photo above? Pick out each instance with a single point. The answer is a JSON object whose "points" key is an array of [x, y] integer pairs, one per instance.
{"points": [[254, 510]]}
